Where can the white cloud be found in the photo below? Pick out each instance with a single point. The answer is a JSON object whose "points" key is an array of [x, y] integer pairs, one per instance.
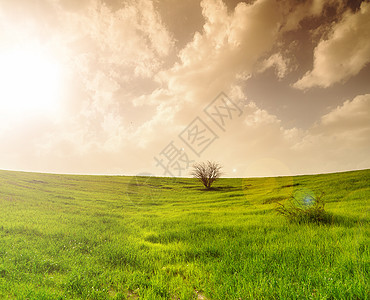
{"points": [[228, 45], [341, 138], [219, 58], [339, 141], [343, 54], [347, 126], [278, 62], [132, 37], [259, 117], [296, 12], [351, 116]]}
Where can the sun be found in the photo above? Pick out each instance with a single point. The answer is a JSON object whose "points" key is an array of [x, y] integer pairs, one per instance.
{"points": [[29, 82]]}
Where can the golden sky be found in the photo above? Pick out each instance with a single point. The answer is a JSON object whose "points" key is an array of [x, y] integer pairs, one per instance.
{"points": [[264, 87]]}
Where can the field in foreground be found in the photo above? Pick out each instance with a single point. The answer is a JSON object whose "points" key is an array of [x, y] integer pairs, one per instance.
{"points": [[101, 237]]}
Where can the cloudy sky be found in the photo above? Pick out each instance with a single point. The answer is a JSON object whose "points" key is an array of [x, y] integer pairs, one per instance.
{"points": [[264, 87]]}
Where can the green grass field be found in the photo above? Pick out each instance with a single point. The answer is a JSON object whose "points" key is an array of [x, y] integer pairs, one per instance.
{"points": [[116, 237]]}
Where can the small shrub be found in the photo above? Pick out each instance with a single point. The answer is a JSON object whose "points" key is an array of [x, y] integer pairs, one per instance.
{"points": [[207, 173], [305, 210]]}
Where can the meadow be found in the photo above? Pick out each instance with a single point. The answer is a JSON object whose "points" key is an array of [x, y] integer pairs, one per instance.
{"points": [[118, 237]]}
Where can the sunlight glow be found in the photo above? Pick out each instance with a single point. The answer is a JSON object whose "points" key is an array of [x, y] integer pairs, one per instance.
{"points": [[29, 81]]}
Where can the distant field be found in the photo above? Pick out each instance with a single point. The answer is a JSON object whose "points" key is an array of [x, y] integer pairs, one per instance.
{"points": [[113, 237]]}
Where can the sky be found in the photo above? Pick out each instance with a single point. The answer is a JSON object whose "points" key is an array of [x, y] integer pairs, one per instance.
{"points": [[264, 87]]}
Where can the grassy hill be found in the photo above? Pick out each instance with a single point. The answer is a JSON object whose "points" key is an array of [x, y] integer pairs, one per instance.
{"points": [[116, 237]]}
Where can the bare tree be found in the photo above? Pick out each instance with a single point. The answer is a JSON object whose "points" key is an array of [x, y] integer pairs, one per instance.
{"points": [[207, 172]]}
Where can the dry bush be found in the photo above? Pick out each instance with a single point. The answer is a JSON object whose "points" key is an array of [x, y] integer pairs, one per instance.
{"points": [[207, 172]]}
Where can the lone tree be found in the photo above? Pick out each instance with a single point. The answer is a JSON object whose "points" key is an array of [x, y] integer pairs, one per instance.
{"points": [[207, 172]]}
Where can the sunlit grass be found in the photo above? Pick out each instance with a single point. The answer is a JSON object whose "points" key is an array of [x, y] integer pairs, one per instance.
{"points": [[101, 237]]}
